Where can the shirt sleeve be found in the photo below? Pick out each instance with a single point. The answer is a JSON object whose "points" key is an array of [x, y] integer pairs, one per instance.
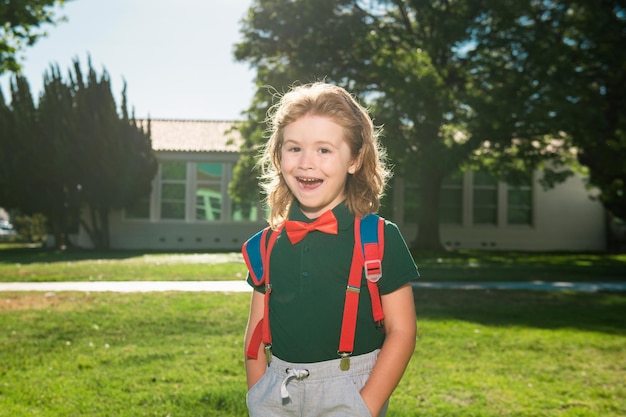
{"points": [[259, 288], [398, 266], [252, 259]]}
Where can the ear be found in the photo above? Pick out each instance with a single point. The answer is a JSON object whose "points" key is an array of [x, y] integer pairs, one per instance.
{"points": [[355, 165]]}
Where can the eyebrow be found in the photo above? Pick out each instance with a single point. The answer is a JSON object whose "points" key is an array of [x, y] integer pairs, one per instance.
{"points": [[317, 142]]}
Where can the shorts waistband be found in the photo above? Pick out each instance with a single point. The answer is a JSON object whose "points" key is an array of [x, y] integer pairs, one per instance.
{"points": [[359, 365]]}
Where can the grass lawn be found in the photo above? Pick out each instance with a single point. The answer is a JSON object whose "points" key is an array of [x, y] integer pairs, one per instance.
{"points": [[35, 264], [479, 353]]}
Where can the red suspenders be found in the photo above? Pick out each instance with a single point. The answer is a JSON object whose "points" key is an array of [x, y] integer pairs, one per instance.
{"points": [[366, 254]]}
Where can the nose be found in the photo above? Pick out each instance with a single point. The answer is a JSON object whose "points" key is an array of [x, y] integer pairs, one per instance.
{"points": [[306, 160]]}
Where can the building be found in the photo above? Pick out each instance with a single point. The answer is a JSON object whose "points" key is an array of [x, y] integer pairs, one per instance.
{"points": [[189, 207], [479, 212]]}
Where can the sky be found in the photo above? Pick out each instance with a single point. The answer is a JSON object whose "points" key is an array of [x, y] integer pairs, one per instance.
{"points": [[176, 56]]}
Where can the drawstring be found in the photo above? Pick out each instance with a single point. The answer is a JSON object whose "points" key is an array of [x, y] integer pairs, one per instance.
{"points": [[292, 373]]}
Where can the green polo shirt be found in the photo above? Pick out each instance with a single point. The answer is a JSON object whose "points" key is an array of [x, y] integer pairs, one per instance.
{"points": [[309, 286]]}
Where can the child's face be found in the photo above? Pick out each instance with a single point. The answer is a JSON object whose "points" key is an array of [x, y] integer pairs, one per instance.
{"points": [[315, 163]]}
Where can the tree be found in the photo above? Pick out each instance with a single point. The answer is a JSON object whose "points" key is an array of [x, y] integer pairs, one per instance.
{"points": [[116, 160], [571, 52], [58, 168], [281, 63], [22, 162], [72, 152], [407, 61], [21, 26], [6, 129], [566, 58], [593, 38]]}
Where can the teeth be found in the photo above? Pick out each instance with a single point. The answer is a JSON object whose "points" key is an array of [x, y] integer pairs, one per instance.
{"points": [[308, 180]]}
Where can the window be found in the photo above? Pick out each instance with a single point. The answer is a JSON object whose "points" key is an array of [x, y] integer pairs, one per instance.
{"points": [[451, 199], [173, 184], [194, 191], [209, 198], [519, 205], [485, 201], [475, 199]]}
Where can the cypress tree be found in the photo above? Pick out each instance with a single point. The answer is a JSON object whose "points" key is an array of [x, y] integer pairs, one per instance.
{"points": [[56, 125], [117, 163], [6, 135]]}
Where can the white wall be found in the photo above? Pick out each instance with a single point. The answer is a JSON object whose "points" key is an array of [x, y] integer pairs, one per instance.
{"points": [[162, 235], [564, 219], [185, 234]]}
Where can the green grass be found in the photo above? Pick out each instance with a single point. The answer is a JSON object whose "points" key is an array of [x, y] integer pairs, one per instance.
{"points": [[37, 264], [521, 266], [479, 353], [121, 355]]}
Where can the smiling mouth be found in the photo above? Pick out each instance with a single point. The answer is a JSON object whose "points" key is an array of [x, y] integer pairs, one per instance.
{"points": [[309, 182]]}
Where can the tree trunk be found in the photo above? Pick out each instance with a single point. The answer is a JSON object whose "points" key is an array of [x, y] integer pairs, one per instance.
{"points": [[88, 229], [95, 229], [104, 228], [60, 239]]}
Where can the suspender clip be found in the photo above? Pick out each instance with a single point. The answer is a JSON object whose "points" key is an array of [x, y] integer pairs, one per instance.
{"points": [[344, 363]]}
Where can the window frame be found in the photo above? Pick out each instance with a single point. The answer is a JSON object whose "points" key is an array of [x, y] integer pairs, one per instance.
{"points": [[192, 184]]}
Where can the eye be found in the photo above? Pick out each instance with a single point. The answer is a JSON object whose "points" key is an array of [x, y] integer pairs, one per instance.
{"points": [[293, 149], [324, 150]]}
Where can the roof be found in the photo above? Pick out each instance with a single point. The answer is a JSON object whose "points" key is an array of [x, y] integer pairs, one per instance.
{"points": [[193, 135]]}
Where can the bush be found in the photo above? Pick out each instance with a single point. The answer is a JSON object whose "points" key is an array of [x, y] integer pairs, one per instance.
{"points": [[31, 228]]}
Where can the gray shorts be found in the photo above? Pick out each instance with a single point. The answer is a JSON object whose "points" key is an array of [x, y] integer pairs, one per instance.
{"points": [[313, 389]]}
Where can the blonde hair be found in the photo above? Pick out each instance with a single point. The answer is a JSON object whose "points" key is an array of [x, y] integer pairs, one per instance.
{"points": [[365, 187]]}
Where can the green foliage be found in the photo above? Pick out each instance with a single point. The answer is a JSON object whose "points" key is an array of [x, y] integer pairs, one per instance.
{"points": [[21, 26], [505, 86], [243, 187], [31, 228], [57, 167], [116, 158], [567, 61], [597, 82], [6, 129], [72, 150], [20, 157]]}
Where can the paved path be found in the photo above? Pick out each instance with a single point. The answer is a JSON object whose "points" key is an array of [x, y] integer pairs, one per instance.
{"points": [[241, 286]]}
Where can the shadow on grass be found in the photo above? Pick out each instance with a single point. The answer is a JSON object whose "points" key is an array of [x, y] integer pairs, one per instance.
{"points": [[459, 265], [27, 256], [598, 312], [466, 265]]}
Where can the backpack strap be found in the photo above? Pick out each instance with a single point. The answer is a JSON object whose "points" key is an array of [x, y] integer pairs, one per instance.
{"points": [[256, 253], [373, 245], [367, 257], [253, 251]]}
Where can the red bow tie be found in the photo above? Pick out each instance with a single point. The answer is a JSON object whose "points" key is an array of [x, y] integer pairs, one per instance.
{"points": [[296, 231]]}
